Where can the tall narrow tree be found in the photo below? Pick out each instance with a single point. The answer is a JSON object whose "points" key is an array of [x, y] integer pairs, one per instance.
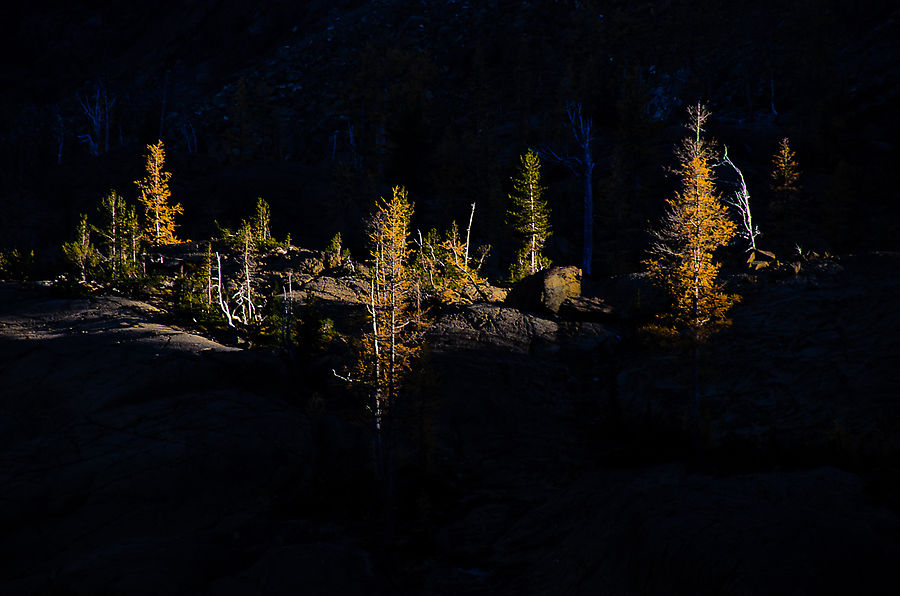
{"points": [[582, 165], [695, 225], [530, 217], [116, 235], [393, 343], [80, 252], [785, 210], [159, 214], [261, 229]]}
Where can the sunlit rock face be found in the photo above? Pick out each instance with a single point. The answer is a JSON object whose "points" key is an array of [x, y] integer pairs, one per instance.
{"points": [[545, 291]]}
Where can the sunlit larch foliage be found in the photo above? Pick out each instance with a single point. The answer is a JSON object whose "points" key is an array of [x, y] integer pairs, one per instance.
{"points": [[695, 225], [393, 341], [159, 214], [786, 211]]}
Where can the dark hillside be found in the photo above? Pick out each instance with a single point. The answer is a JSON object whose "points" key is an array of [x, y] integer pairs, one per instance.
{"points": [[321, 107]]}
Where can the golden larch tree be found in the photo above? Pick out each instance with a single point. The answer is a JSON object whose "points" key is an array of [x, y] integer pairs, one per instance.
{"points": [[159, 215], [786, 210], [392, 344], [696, 224], [785, 170]]}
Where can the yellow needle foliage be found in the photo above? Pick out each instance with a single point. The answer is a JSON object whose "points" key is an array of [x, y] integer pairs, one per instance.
{"points": [[696, 224], [392, 345], [786, 210], [785, 170], [159, 215]]}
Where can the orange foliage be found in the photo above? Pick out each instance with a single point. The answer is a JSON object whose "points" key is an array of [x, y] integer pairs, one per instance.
{"points": [[696, 224], [159, 215]]}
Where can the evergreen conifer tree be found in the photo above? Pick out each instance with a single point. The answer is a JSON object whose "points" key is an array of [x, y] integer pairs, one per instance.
{"points": [[261, 230], [530, 217], [80, 252], [117, 235]]}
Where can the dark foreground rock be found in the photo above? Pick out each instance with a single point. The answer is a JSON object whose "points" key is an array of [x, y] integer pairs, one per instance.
{"points": [[544, 456], [142, 459], [809, 364], [665, 530]]}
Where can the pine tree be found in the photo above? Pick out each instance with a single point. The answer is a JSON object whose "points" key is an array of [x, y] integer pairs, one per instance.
{"points": [[159, 215], [530, 217], [696, 224]]}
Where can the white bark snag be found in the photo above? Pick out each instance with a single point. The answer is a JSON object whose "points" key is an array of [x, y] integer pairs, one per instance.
{"points": [[469, 234], [741, 202], [223, 304]]}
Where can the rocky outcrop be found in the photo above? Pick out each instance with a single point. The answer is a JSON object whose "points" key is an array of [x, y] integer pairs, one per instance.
{"points": [[545, 291], [140, 458], [664, 530], [492, 327], [809, 363], [582, 308], [350, 290]]}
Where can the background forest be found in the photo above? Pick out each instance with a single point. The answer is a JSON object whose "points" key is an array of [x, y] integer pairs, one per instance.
{"points": [[321, 107]]}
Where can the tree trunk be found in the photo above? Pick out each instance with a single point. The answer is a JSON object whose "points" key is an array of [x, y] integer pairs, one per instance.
{"points": [[588, 254]]}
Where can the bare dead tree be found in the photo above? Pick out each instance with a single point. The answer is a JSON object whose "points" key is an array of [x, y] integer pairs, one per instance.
{"points": [[223, 304], [354, 152], [97, 110], [287, 319], [581, 165], [162, 110], [60, 130], [772, 95], [469, 233], [740, 200], [190, 136]]}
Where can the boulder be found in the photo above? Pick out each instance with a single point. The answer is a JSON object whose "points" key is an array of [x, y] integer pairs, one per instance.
{"points": [[339, 289], [546, 290]]}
